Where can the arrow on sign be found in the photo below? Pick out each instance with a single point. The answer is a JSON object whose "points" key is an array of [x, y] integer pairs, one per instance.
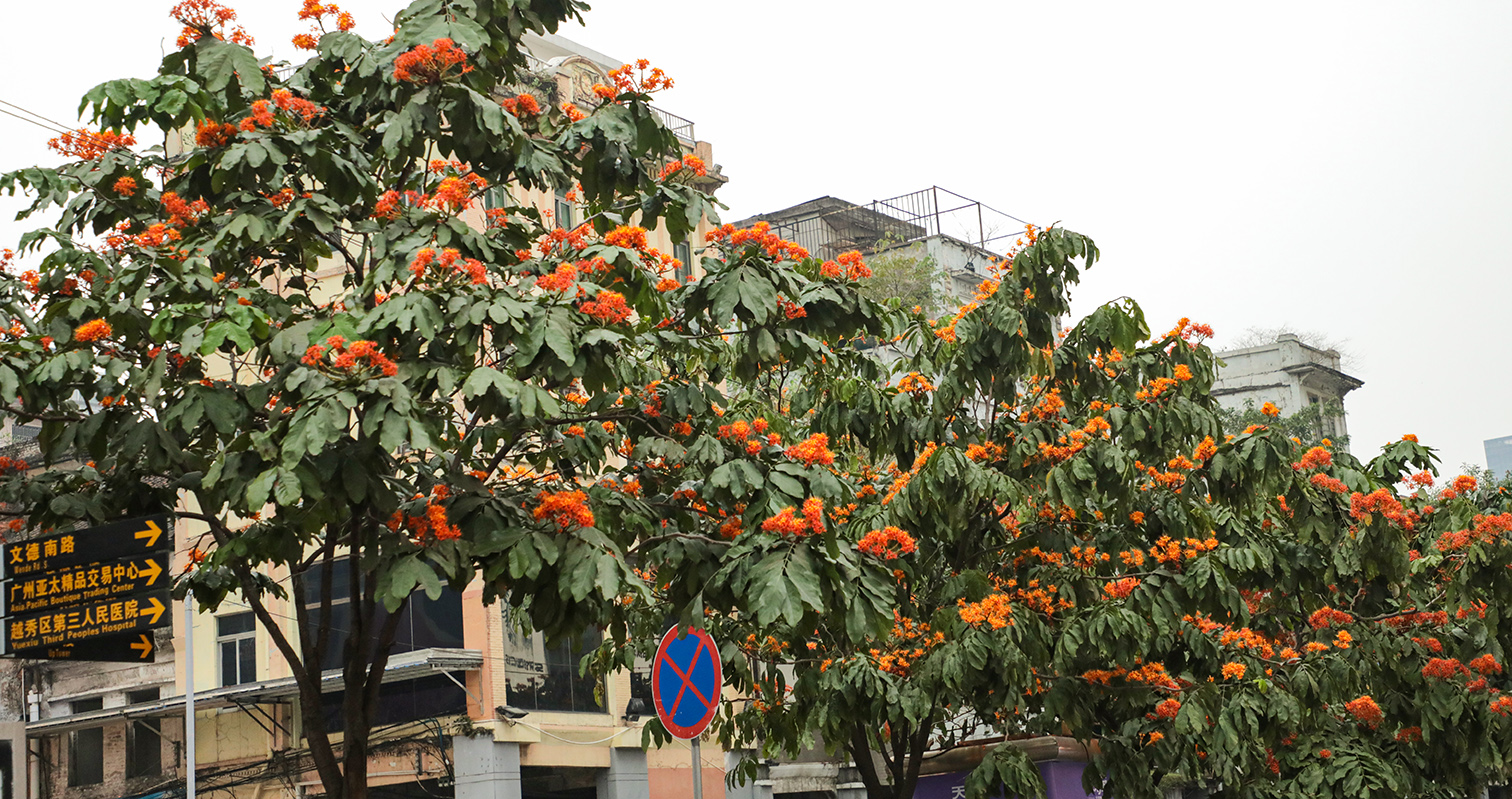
{"points": [[151, 570], [151, 532], [155, 610], [145, 647]]}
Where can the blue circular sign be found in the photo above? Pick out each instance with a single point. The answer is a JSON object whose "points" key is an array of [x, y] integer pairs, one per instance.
{"points": [[686, 679]]}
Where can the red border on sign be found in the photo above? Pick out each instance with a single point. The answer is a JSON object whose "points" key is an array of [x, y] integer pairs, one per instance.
{"points": [[705, 645]]}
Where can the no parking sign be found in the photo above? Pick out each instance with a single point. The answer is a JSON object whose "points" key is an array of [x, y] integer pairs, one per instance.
{"points": [[685, 682]]}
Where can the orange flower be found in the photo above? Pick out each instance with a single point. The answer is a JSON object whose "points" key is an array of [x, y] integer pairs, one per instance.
{"points": [[1168, 709], [431, 63], [812, 450], [607, 306], [889, 543], [1233, 671], [1269, 409], [1365, 710], [92, 331], [125, 187], [567, 509]]}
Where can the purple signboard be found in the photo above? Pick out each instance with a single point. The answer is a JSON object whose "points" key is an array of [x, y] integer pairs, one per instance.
{"points": [[1063, 780]]}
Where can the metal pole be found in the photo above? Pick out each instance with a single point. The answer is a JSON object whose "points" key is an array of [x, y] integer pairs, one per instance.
{"points": [[188, 697], [697, 770]]}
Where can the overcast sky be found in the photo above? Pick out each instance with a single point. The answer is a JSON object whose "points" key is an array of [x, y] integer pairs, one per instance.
{"points": [[1344, 168]]}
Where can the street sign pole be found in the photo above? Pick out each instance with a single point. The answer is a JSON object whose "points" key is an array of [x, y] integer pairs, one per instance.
{"points": [[697, 770], [188, 697]]}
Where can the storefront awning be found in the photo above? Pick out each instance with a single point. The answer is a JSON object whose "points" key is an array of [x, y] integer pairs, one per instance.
{"points": [[402, 666]]}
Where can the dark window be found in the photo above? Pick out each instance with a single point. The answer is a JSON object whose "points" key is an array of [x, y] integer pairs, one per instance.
{"points": [[237, 636], [683, 252], [144, 742], [405, 700], [86, 748], [542, 675], [425, 623], [562, 211]]}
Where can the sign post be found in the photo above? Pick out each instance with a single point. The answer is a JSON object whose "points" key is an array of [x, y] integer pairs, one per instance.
{"points": [[686, 678]]}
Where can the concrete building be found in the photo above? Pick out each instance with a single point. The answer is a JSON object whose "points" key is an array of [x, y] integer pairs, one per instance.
{"points": [[960, 236], [109, 730], [1288, 373]]}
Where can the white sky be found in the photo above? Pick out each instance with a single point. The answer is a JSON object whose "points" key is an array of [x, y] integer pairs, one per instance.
{"points": [[1338, 167]]}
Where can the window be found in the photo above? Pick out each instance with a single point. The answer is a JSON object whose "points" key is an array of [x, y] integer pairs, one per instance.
{"points": [[683, 252], [86, 748], [144, 741], [539, 676], [496, 197], [237, 637], [425, 623], [563, 210]]}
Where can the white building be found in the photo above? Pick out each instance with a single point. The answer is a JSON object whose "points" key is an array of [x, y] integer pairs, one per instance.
{"points": [[1288, 373]]}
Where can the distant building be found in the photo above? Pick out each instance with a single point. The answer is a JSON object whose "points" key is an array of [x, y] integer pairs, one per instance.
{"points": [[1288, 373], [961, 235], [1499, 455]]}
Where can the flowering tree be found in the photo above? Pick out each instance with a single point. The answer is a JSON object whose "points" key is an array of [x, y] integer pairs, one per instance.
{"points": [[302, 322], [1069, 544]]}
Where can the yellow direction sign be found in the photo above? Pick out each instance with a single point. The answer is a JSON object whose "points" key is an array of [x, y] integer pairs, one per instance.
{"points": [[78, 623], [108, 542], [88, 582], [138, 648]]}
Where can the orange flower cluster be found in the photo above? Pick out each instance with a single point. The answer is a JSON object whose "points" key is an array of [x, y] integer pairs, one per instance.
{"points": [[560, 280], [88, 145], [431, 63], [812, 450], [902, 480], [180, 212], [761, 235], [1233, 671], [200, 17], [1328, 617], [1414, 734], [994, 610], [1168, 709], [573, 113], [92, 331], [1315, 458], [456, 192], [1444, 668], [908, 643], [1182, 372], [1185, 329], [450, 262], [125, 186], [9, 464], [607, 306], [1270, 409], [1243, 638], [1068, 445], [359, 355], [1501, 705], [567, 509], [915, 384], [1155, 676], [430, 524], [986, 451], [1121, 589], [1486, 664], [889, 543], [633, 78], [523, 106], [214, 134], [1205, 450], [1361, 506], [1171, 552], [788, 523], [630, 237], [691, 163], [314, 10], [1155, 388], [1327, 483]]}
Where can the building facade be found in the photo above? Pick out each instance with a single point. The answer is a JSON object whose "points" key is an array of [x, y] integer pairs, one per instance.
{"points": [[1289, 374]]}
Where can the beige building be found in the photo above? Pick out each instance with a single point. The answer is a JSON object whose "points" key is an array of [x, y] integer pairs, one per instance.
{"points": [[1287, 373], [471, 707]]}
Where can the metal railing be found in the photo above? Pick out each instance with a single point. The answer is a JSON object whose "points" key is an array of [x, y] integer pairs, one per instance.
{"points": [[881, 224]]}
